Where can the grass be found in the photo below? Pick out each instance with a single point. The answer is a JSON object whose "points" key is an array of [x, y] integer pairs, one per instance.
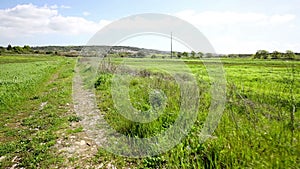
{"points": [[260, 127], [28, 129]]}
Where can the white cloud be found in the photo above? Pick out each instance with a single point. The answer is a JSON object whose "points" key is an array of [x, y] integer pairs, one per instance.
{"points": [[234, 45], [54, 6], [73, 25], [244, 32], [213, 18], [65, 7], [279, 19], [30, 20], [85, 13], [61, 6]]}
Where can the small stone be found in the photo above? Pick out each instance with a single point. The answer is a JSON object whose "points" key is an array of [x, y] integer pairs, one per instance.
{"points": [[13, 160], [110, 166], [100, 166], [43, 105], [82, 143], [14, 166], [2, 158], [71, 150]]}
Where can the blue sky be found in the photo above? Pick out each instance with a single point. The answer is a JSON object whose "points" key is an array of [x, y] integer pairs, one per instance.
{"points": [[231, 26]]}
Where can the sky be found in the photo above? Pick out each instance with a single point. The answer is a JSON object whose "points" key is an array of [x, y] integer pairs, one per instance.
{"points": [[231, 26]]}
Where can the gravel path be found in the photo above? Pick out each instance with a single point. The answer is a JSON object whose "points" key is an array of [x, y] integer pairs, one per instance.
{"points": [[79, 148]]}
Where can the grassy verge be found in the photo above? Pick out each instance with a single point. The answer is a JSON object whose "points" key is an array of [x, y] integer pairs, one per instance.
{"points": [[259, 129]]}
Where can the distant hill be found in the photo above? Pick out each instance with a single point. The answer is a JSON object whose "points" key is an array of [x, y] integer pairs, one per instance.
{"points": [[108, 49]]}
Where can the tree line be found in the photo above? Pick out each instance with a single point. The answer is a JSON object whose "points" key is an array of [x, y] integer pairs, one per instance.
{"points": [[26, 49], [73, 51], [264, 54]]}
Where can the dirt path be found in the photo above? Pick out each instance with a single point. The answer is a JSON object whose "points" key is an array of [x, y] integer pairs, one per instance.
{"points": [[79, 148]]}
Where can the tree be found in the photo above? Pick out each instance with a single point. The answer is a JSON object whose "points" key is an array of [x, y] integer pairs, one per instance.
{"points": [[261, 54], [9, 47], [289, 54], [200, 54], [123, 54], [193, 53], [179, 54], [185, 54], [141, 54], [275, 55], [17, 49], [26, 48], [49, 52]]}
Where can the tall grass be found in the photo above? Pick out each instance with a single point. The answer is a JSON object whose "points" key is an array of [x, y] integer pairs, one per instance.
{"points": [[254, 132]]}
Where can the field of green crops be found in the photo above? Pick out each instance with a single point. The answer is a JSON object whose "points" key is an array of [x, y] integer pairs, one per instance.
{"points": [[260, 126]]}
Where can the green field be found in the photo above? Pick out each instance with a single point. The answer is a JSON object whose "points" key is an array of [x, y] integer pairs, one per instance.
{"points": [[260, 126], [35, 92]]}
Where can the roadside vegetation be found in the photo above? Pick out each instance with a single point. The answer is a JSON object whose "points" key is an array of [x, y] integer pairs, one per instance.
{"points": [[260, 127]]}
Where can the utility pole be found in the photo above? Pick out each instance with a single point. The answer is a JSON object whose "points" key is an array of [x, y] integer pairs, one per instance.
{"points": [[171, 46]]}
